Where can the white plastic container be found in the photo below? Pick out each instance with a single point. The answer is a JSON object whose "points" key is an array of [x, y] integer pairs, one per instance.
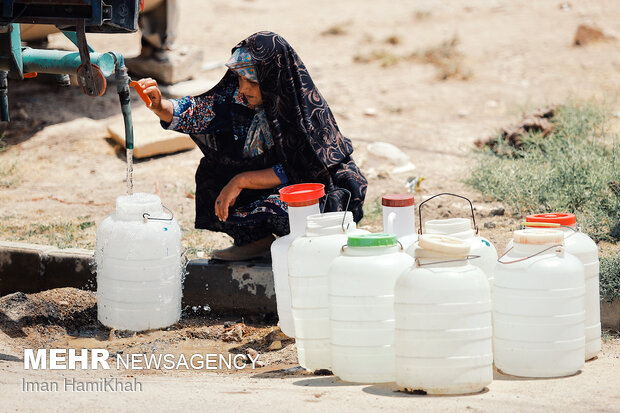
{"points": [[309, 257], [538, 307], [399, 217], [139, 269], [461, 228], [303, 201], [361, 307], [443, 339], [584, 248]]}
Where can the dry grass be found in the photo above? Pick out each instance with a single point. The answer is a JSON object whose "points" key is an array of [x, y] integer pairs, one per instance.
{"points": [[338, 29], [446, 57], [448, 60]]}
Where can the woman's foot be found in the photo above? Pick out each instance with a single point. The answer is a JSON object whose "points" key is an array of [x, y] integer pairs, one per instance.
{"points": [[256, 249]]}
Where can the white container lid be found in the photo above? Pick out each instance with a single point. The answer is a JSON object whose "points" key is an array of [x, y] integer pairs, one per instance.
{"points": [[134, 206], [538, 236], [448, 226], [442, 244], [315, 223]]}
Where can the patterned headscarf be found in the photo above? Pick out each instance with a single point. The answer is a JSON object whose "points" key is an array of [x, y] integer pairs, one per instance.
{"points": [[241, 63]]}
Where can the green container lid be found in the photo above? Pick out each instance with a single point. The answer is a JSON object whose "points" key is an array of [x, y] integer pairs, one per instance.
{"points": [[372, 240]]}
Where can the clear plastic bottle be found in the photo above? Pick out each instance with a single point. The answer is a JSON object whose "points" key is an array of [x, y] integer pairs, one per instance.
{"points": [[361, 307], [443, 339], [309, 257], [138, 256], [538, 307], [303, 201]]}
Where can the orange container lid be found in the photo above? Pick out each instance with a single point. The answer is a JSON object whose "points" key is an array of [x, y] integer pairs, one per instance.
{"points": [[553, 218], [302, 194], [397, 200]]}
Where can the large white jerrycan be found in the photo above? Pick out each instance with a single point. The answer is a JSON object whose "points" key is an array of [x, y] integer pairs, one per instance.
{"points": [[309, 257], [443, 340], [138, 257], [467, 230], [303, 201], [584, 248], [361, 307], [538, 307], [399, 217]]}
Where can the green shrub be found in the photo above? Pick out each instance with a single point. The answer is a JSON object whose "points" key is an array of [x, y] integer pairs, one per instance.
{"points": [[610, 278], [575, 168]]}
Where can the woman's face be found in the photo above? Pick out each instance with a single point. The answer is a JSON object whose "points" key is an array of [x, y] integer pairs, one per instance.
{"points": [[251, 91]]}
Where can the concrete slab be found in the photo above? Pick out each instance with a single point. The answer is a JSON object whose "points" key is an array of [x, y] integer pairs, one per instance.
{"points": [[150, 138], [238, 288], [230, 288]]}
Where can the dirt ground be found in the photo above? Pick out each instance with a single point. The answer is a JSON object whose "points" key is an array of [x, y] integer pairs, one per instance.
{"points": [[60, 173]]}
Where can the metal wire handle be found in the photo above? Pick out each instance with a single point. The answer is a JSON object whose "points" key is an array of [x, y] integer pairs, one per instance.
{"points": [[466, 258], [473, 217], [147, 217], [526, 258], [346, 208], [551, 225]]}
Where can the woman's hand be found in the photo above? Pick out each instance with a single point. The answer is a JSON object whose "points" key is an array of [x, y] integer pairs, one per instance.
{"points": [[260, 179], [227, 197], [161, 107]]}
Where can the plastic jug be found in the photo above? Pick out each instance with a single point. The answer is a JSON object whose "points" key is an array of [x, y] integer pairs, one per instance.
{"points": [[584, 248], [303, 201], [467, 230], [538, 307], [399, 217], [443, 339], [361, 307], [309, 257], [138, 256]]}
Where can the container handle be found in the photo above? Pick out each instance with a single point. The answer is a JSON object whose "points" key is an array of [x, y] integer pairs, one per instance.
{"points": [[466, 258], [473, 217], [528, 257], [147, 217]]}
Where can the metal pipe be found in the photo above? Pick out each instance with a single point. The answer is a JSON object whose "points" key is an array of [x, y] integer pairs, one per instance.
{"points": [[60, 62], [4, 98], [122, 87]]}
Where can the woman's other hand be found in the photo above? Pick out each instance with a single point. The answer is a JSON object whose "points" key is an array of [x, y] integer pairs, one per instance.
{"points": [[227, 197], [260, 179], [161, 107]]}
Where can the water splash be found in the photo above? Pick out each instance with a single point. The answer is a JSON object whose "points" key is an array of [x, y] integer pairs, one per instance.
{"points": [[129, 171]]}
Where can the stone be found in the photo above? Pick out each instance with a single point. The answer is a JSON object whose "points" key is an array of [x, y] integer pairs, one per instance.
{"points": [[276, 345], [489, 225], [589, 34], [386, 157], [175, 66], [150, 138], [497, 212]]}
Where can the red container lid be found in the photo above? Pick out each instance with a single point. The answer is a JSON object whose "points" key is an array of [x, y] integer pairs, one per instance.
{"points": [[302, 194], [553, 218], [397, 200]]}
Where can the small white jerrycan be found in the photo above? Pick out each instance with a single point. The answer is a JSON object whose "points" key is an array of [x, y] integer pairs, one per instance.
{"points": [[309, 257], [583, 247], [361, 307], [302, 200], [467, 230], [399, 218], [138, 256], [443, 339], [538, 307]]}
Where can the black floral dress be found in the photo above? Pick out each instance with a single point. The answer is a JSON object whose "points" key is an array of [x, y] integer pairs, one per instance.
{"points": [[302, 143]]}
